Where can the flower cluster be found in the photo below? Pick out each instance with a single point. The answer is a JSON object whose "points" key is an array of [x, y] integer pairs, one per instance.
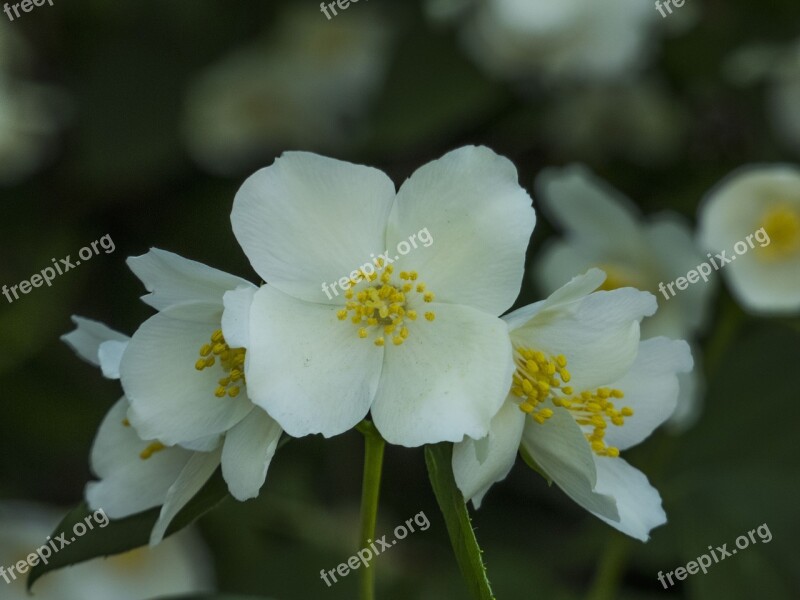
{"points": [[224, 367]]}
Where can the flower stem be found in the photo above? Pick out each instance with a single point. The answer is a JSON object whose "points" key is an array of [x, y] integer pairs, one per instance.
{"points": [[468, 553], [609, 572], [370, 492]]}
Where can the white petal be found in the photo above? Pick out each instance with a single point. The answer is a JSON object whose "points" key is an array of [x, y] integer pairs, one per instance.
{"points": [[193, 477], [236, 316], [676, 251], [590, 210], [598, 334], [128, 484], [576, 289], [110, 356], [447, 380], [86, 338], [559, 447], [249, 448], [474, 476], [734, 210], [558, 263], [308, 220], [172, 279], [170, 399], [650, 388], [480, 221], [638, 503], [310, 371], [691, 397]]}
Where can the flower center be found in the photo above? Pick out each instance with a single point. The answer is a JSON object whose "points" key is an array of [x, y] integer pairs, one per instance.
{"points": [[383, 305], [230, 359], [782, 224], [539, 377]]}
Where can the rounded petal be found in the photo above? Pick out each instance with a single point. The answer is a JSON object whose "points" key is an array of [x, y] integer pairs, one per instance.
{"points": [[309, 220], [736, 209], [171, 400], [479, 222], [559, 447], [193, 477], [447, 380], [598, 334], [172, 279], [248, 450], [650, 388], [310, 371], [87, 336], [638, 502], [691, 397], [128, 484], [477, 470]]}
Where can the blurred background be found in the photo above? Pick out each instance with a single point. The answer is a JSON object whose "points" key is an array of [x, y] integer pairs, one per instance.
{"points": [[139, 120]]}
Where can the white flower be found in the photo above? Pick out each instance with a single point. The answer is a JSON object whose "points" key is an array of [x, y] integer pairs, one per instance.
{"points": [[308, 87], [585, 388], [569, 39], [765, 277], [187, 395], [603, 228], [181, 565], [785, 97], [418, 342]]}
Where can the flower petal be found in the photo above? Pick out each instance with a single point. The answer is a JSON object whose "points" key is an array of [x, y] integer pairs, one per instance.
{"points": [[193, 477], [171, 400], [248, 450], [308, 220], [559, 447], [650, 388], [474, 476], [128, 484], [310, 371], [447, 380], [479, 221], [110, 356], [638, 502], [172, 279], [598, 334], [590, 212], [236, 316], [87, 336]]}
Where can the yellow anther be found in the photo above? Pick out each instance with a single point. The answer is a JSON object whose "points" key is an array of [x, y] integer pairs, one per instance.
{"points": [[420, 287], [217, 336], [341, 315], [126, 423], [151, 449], [412, 275], [205, 350], [379, 341], [362, 333], [428, 296], [200, 364], [404, 275], [231, 361], [397, 340], [234, 391], [210, 361], [430, 316], [412, 315]]}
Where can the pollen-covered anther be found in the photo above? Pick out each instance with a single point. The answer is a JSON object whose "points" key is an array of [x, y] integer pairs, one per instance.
{"points": [[151, 450], [383, 304], [230, 359], [540, 378]]}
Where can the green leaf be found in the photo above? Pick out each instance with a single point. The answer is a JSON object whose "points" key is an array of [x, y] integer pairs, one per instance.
{"points": [[459, 526], [213, 597], [126, 534]]}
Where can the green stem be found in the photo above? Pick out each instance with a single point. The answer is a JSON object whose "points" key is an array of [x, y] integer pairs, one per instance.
{"points": [[468, 553], [609, 572], [370, 492]]}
